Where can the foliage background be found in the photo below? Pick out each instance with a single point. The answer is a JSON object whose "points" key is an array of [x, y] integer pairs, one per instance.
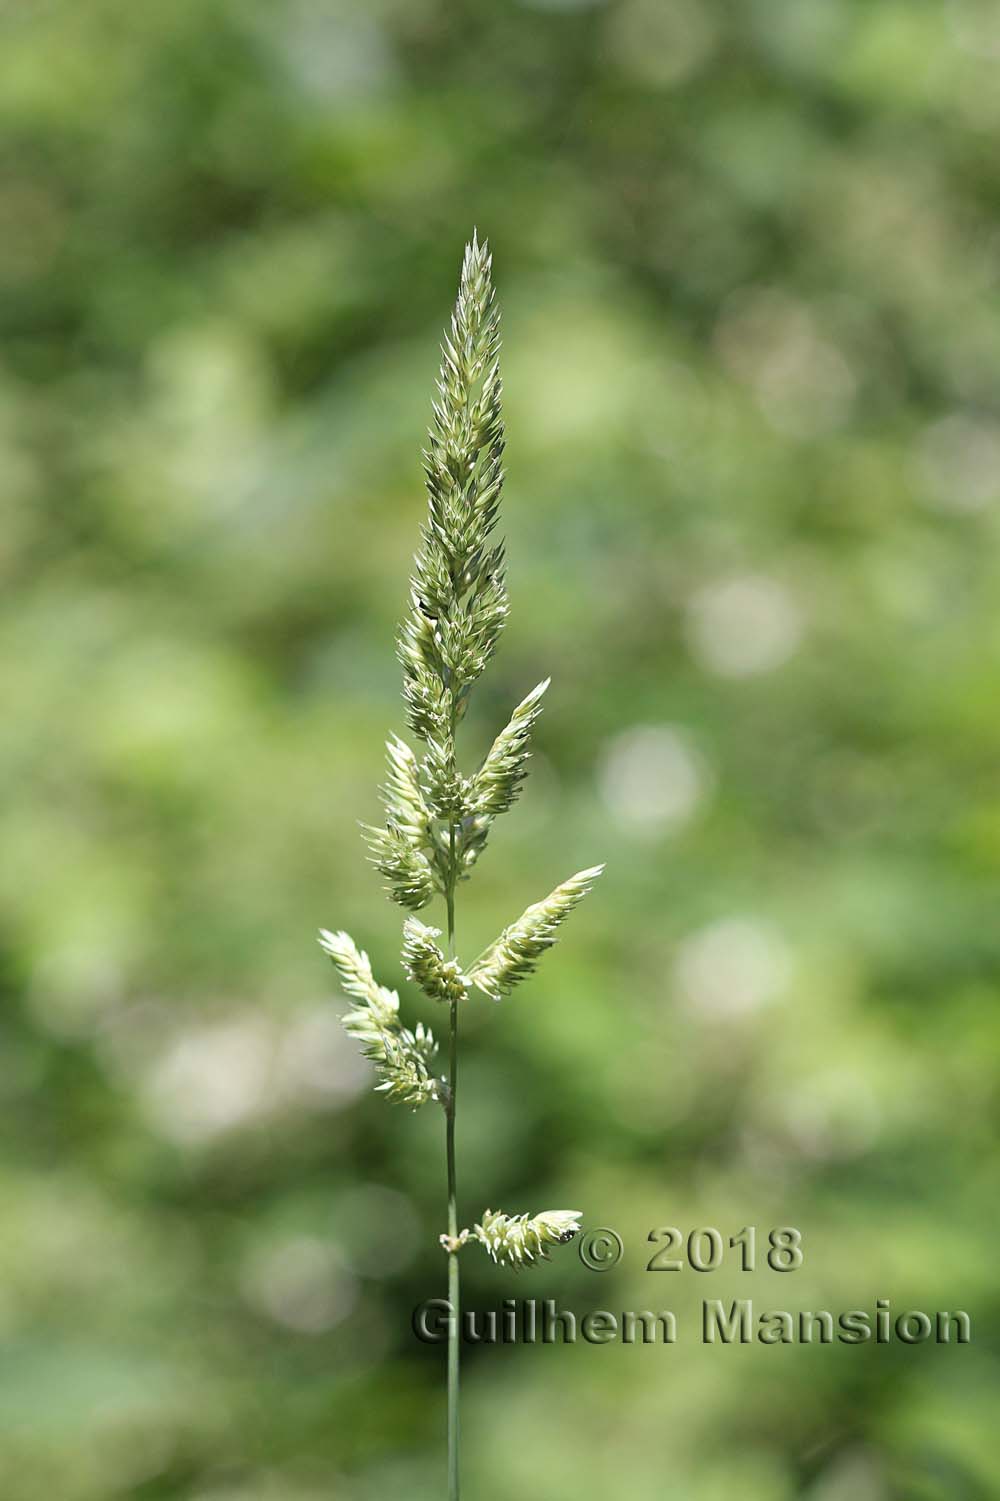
{"points": [[748, 256]]}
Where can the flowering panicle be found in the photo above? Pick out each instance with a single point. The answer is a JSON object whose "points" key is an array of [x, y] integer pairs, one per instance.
{"points": [[437, 820], [515, 954], [518, 1240]]}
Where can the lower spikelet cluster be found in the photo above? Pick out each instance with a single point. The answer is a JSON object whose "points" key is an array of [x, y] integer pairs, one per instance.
{"points": [[518, 1240], [402, 1058]]}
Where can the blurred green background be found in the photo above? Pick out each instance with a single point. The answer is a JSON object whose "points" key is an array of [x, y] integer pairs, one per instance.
{"points": [[748, 257]]}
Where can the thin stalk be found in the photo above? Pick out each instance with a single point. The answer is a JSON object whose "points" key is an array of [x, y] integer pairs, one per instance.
{"points": [[453, 1278]]}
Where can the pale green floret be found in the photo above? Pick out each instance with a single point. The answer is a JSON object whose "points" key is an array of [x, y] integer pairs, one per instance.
{"points": [[518, 1240], [515, 954], [356, 978], [405, 805], [403, 851], [403, 1066], [448, 790], [439, 978], [408, 871], [401, 1057], [427, 703], [496, 785]]}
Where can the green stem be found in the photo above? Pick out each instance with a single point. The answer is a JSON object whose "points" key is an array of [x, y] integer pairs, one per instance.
{"points": [[453, 1280]]}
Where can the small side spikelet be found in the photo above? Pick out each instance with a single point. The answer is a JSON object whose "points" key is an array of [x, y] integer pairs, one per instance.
{"points": [[403, 1066], [447, 789], [408, 871], [496, 785], [518, 1240], [516, 952], [440, 978], [426, 702], [405, 805], [401, 1057], [400, 849], [355, 970], [498, 781]]}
